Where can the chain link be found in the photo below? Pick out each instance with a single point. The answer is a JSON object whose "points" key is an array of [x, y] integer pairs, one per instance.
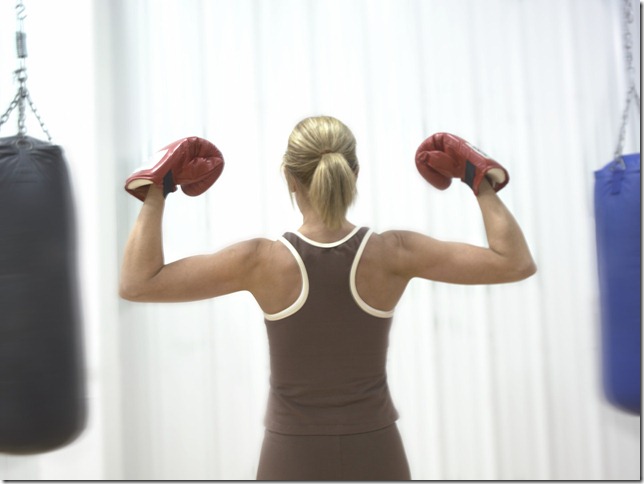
{"points": [[632, 94], [22, 97], [628, 41], [40, 121], [5, 117]]}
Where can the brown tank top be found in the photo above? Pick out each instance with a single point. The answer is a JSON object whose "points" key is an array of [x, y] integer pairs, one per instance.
{"points": [[328, 350]]}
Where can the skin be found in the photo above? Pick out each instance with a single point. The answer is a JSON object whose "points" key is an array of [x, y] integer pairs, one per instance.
{"points": [[269, 272]]}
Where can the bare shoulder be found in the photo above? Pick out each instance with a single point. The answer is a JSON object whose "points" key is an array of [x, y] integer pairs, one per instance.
{"points": [[249, 258], [273, 260], [388, 248], [389, 238], [397, 239], [403, 252], [270, 251], [395, 242], [250, 251]]}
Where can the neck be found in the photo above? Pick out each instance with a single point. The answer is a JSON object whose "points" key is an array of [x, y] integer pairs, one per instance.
{"points": [[314, 228], [321, 233]]}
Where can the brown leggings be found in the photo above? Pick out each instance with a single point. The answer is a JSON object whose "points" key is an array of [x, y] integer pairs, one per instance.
{"points": [[377, 455]]}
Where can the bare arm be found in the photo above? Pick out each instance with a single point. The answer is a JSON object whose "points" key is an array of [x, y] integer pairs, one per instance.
{"points": [[507, 259], [146, 277]]}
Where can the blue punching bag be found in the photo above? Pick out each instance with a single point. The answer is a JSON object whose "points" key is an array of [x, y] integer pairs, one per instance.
{"points": [[618, 232]]}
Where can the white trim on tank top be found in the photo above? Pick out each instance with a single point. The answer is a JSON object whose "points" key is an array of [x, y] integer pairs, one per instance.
{"points": [[354, 290], [304, 293], [326, 245]]}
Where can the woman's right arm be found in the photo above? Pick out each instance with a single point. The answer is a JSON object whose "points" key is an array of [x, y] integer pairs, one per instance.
{"points": [[145, 277], [506, 259]]}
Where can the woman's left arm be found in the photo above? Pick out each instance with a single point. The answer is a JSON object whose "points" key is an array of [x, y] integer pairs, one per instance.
{"points": [[146, 278]]}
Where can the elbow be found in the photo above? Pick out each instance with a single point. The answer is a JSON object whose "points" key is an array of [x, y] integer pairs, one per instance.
{"points": [[130, 292], [139, 289], [515, 271], [526, 269], [126, 293]]}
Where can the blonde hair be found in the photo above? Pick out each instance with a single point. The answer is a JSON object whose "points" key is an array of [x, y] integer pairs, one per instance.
{"points": [[321, 157]]}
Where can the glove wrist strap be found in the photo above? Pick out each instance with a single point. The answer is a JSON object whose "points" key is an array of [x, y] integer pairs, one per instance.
{"points": [[168, 184]]}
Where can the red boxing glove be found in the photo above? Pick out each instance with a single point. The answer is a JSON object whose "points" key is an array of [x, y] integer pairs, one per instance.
{"points": [[444, 156], [194, 163]]}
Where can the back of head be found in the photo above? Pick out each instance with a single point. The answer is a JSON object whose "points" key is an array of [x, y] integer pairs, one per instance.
{"points": [[321, 157]]}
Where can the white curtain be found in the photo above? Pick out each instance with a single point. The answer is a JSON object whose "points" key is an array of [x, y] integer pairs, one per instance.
{"points": [[495, 382]]}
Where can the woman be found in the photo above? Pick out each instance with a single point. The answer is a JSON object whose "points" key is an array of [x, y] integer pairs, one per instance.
{"points": [[328, 292]]}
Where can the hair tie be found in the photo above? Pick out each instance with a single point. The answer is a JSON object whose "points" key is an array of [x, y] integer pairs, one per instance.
{"points": [[324, 152]]}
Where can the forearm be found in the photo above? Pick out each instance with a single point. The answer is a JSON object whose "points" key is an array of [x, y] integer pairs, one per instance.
{"points": [[143, 257], [504, 235]]}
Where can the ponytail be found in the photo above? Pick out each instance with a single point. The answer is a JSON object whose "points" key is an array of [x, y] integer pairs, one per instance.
{"points": [[333, 189], [321, 156]]}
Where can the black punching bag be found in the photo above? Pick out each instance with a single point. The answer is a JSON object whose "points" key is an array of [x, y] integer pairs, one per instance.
{"points": [[42, 391]]}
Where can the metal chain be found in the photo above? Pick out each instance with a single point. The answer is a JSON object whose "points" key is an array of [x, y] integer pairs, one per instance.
{"points": [[628, 39], [5, 117], [632, 94], [40, 121], [22, 97], [21, 72]]}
